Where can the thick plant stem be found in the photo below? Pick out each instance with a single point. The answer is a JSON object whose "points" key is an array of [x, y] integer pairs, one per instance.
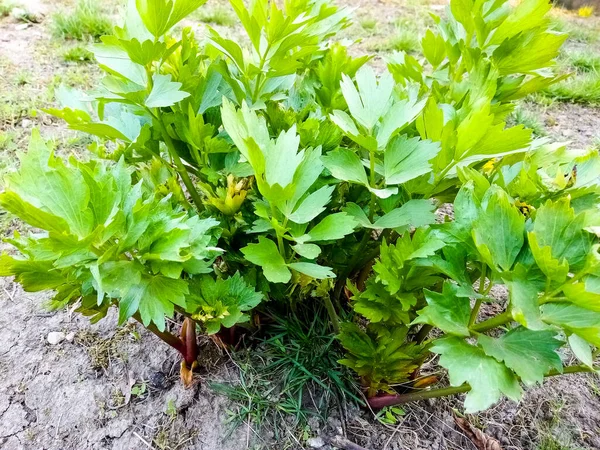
{"points": [[390, 400], [181, 170], [188, 336], [478, 302], [335, 322], [500, 319]]}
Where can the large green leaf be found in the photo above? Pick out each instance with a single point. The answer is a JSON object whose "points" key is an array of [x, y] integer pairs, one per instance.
{"points": [[487, 377], [406, 159], [574, 319], [530, 354]]}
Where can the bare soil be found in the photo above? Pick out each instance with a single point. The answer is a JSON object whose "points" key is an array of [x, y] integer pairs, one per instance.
{"points": [[117, 388]]}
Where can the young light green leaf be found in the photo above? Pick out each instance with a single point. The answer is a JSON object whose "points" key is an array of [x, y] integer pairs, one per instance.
{"points": [[312, 206], [446, 311], [406, 159], [345, 165], [334, 226], [165, 92]]}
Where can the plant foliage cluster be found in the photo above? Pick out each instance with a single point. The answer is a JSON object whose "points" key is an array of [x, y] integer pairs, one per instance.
{"points": [[227, 179]]}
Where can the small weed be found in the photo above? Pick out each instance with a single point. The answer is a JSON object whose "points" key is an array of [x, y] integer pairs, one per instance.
{"points": [[5, 8], [87, 21], [528, 119], [78, 54], [215, 16], [24, 15], [368, 23], [289, 376], [584, 88], [102, 351], [582, 61], [406, 38]]}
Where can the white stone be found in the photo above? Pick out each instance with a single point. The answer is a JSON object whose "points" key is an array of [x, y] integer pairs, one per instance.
{"points": [[71, 336], [316, 442], [56, 337]]}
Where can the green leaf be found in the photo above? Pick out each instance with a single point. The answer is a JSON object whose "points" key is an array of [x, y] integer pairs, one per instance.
{"points": [[574, 319], [584, 293], [312, 270], [434, 48], [487, 377], [523, 295], [266, 255], [222, 302], [310, 251], [47, 184], [368, 103], [581, 349], [376, 304], [530, 354], [312, 206], [165, 92], [558, 239], [414, 212], [332, 227], [155, 298], [406, 159], [446, 311], [499, 231], [345, 165]]}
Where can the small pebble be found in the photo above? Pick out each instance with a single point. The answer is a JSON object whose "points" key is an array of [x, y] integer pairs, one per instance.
{"points": [[26, 123], [56, 337], [158, 380], [315, 442], [71, 336]]}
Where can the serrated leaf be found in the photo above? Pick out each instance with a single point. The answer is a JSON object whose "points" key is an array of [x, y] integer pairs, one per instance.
{"points": [[345, 165], [499, 230], [332, 227], [266, 255], [530, 354], [406, 159], [312, 206], [574, 319], [446, 311], [523, 296], [165, 92], [487, 377]]}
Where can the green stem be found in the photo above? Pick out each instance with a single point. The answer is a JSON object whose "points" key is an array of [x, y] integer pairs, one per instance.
{"points": [[183, 173], [478, 302], [390, 400], [500, 319]]}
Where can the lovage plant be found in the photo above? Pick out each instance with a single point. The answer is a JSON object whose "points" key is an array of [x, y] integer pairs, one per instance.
{"points": [[227, 179]]}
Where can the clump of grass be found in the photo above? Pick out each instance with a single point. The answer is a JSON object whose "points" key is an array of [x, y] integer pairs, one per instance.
{"points": [[291, 375], [582, 88], [215, 16], [407, 37], [5, 8], [582, 61], [86, 22], [78, 54], [529, 120]]}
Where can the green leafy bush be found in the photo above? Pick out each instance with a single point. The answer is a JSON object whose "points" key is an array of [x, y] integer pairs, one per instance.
{"points": [[286, 170]]}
